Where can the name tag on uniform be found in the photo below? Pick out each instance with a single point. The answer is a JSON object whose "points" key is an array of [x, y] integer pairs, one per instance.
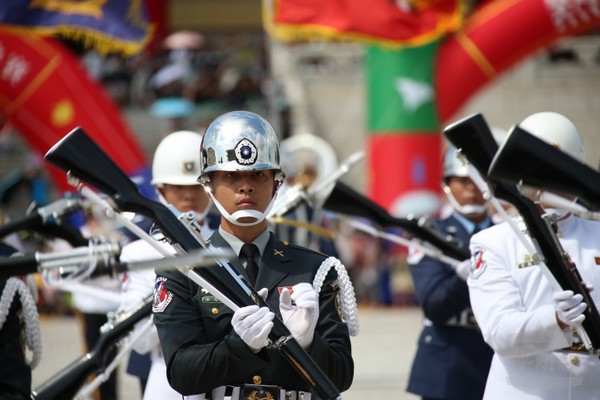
{"points": [[210, 299], [528, 261]]}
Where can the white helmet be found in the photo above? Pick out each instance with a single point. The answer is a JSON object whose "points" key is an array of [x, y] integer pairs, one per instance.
{"points": [[306, 150], [240, 141], [176, 160], [557, 130]]}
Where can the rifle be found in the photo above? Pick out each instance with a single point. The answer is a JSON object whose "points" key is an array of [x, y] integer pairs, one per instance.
{"points": [[473, 137], [345, 200], [47, 221], [66, 383], [526, 158], [84, 159]]}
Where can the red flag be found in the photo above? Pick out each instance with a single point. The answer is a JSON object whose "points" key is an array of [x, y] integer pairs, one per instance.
{"points": [[383, 22], [45, 93]]}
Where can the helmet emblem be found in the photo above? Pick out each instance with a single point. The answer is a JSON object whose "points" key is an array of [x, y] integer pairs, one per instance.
{"points": [[245, 152], [189, 167]]}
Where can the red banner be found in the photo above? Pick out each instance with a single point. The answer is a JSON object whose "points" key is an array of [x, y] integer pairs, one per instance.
{"points": [[45, 93], [383, 22]]}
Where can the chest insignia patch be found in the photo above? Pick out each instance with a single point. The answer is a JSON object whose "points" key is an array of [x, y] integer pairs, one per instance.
{"points": [[528, 261], [478, 264], [162, 296]]}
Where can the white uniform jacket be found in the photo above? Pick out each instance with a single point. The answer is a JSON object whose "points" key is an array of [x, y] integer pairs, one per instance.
{"points": [[136, 286], [512, 303]]}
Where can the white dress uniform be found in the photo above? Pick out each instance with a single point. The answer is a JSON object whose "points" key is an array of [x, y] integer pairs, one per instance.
{"points": [[512, 302], [136, 286]]}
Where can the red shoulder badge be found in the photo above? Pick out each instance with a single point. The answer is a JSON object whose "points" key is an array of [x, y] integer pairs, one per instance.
{"points": [[478, 264], [162, 296]]}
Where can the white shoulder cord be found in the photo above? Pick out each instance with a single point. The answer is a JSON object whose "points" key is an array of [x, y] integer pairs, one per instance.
{"points": [[349, 311], [33, 337]]}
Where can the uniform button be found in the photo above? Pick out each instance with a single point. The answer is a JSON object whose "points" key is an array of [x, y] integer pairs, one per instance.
{"points": [[575, 360], [428, 339], [215, 310], [257, 379]]}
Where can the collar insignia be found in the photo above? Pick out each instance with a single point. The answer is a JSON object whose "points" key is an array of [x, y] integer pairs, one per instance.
{"points": [[278, 253]]}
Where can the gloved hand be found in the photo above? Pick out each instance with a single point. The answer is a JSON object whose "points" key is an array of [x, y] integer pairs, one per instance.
{"points": [[253, 324], [463, 269], [300, 318], [569, 308]]}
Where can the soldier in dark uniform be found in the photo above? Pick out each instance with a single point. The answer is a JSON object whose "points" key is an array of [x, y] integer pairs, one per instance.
{"points": [[15, 372], [213, 351], [452, 360]]}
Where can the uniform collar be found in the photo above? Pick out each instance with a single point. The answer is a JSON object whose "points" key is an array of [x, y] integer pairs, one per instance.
{"points": [[236, 244], [469, 225]]}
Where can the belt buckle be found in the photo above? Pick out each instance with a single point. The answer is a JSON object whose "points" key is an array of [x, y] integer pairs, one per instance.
{"points": [[260, 392]]}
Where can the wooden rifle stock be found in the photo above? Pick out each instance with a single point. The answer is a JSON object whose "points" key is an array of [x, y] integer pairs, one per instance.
{"points": [[475, 140], [345, 200], [66, 383], [82, 157]]}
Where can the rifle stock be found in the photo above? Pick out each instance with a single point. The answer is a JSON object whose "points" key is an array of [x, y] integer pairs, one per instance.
{"points": [[345, 200], [83, 158], [558, 264], [472, 136], [526, 158]]}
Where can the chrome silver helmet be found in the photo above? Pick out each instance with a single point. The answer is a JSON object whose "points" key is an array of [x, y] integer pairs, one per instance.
{"points": [[454, 165], [239, 141]]}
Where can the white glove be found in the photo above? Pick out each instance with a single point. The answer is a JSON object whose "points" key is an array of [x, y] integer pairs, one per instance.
{"points": [[463, 269], [253, 324], [569, 307], [300, 318]]}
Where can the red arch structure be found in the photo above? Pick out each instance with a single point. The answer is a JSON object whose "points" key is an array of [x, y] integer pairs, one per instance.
{"points": [[45, 93], [499, 35]]}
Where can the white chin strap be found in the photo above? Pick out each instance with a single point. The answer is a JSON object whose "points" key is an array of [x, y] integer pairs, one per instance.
{"points": [[199, 215], [466, 209], [236, 216]]}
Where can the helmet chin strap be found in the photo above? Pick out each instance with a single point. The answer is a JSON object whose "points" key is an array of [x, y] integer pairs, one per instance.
{"points": [[236, 216], [200, 215], [465, 209]]}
